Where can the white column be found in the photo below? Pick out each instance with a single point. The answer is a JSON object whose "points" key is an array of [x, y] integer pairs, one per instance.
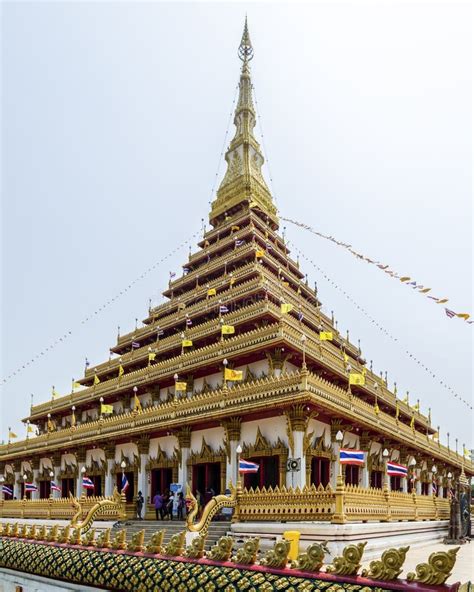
{"points": [[183, 467], [336, 447], [364, 473], [79, 491], [231, 467], [142, 478], [440, 491], [35, 494], [17, 486], [297, 478], [404, 483], [109, 478]]}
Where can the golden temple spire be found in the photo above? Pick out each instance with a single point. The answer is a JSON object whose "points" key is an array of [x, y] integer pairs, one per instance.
{"points": [[243, 185]]}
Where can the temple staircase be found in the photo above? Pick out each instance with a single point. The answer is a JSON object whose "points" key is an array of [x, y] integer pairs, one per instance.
{"points": [[216, 529]]}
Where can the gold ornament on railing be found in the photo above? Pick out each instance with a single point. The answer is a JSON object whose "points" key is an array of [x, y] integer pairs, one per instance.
{"points": [[349, 563], [248, 554], [175, 547], [278, 556], [14, 530], [312, 560], [196, 549], [88, 540], [23, 532], [120, 540], [103, 540], [52, 535], [75, 538], [155, 544], [389, 567], [41, 533], [64, 534], [222, 550], [437, 570], [137, 544]]}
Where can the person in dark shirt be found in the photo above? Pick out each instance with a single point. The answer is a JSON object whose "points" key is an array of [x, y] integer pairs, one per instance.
{"points": [[158, 503]]}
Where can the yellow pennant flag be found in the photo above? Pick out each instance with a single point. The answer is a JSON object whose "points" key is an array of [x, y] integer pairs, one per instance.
{"points": [[346, 357], [96, 379], [211, 292], [187, 343], [259, 254], [228, 329], [151, 357], [121, 371], [397, 410], [138, 405], [30, 429], [12, 434], [234, 228], [325, 336], [355, 378], [232, 281], [376, 409], [463, 315], [285, 283], [425, 290], [106, 409], [230, 374], [285, 308], [442, 301], [181, 386], [364, 371], [73, 420], [466, 452], [75, 385], [404, 279], [412, 422]]}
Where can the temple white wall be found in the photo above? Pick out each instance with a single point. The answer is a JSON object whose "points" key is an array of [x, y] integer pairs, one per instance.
{"points": [[166, 443], [129, 450], [214, 437], [350, 440], [271, 428], [319, 428], [95, 454], [45, 462]]}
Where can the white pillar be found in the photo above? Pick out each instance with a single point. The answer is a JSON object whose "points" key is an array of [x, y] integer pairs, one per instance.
{"points": [[404, 483], [35, 494], [364, 473], [142, 484], [17, 486], [440, 491], [183, 467], [336, 447], [109, 478], [79, 490], [297, 478], [231, 467]]}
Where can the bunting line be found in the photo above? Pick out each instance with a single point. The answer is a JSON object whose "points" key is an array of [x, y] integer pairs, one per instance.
{"points": [[381, 328], [404, 279], [106, 304]]}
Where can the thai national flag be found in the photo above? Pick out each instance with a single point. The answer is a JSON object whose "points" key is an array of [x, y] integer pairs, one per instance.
{"points": [[6, 489], [396, 470], [245, 466], [223, 308], [30, 487], [351, 457], [54, 487], [125, 483], [135, 344], [239, 243], [300, 316], [160, 332], [87, 483], [188, 322], [172, 274]]}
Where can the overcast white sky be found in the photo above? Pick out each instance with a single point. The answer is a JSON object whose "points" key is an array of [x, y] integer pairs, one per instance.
{"points": [[113, 119]]}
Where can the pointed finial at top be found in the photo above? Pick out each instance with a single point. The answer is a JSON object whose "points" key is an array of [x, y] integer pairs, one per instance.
{"points": [[245, 47]]}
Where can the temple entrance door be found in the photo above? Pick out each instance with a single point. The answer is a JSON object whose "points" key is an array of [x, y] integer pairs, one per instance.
{"points": [[67, 485], [352, 475], [320, 471], [44, 489], [97, 481], [130, 493], [376, 479], [161, 480], [207, 476], [268, 474], [23, 494]]}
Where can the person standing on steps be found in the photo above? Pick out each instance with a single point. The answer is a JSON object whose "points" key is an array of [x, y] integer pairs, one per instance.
{"points": [[139, 502], [158, 503]]}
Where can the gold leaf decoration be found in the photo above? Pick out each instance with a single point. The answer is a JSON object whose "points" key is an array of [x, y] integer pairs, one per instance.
{"points": [[278, 556], [389, 567], [248, 554], [349, 563], [313, 559], [222, 550], [437, 570]]}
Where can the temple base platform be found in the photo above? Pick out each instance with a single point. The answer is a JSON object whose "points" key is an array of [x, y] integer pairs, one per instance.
{"points": [[379, 535]]}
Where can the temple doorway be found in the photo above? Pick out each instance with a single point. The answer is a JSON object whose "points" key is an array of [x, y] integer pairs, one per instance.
{"points": [[67, 486], [320, 471], [376, 479], [161, 480], [97, 481], [268, 474], [207, 476], [44, 489], [352, 475]]}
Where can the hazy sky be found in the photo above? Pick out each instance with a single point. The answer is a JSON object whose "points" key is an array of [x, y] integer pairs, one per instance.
{"points": [[113, 119]]}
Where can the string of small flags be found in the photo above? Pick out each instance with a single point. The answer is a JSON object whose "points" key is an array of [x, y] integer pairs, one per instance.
{"points": [[404, 279], [381, 328], [105, 305]]}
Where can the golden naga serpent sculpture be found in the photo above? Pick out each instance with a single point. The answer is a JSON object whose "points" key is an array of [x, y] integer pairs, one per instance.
{"points": [[84, 525], [210, 510]]}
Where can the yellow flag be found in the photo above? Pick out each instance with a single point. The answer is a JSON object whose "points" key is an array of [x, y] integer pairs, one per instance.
{"points": [[230, 374], [106, 409], [325, 336], [466, 452], [358, 379], [96, 379], [181, 386], [404, 279], [121, 371], [30, 429], [397, 410], [138, 405], [228, 329], [259, 254], [463, 315], [151, 356], [425, 290], [364, 371], [285, 307], [232, 281], [54, 393], [187, 343], [234, 228], [285, 283], [376, 409], [412, 422], [346, 357], [73, 420], [75, 385], [211, 292], [12, 434], [442, 301]]}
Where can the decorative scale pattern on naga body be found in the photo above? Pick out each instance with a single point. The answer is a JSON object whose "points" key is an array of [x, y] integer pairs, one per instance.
{"points": [[122, 571]]}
